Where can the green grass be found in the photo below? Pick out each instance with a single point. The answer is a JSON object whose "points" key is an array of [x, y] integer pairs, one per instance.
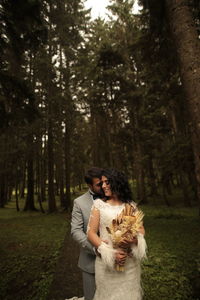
{"points": [[30, 245], [173, 266]]}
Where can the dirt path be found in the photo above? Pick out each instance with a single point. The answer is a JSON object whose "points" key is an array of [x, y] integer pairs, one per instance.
{"points": [[67, 281]]}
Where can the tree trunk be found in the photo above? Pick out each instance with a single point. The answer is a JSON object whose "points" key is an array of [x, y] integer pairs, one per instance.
{"points": [[16, 197], [96, 158], [51, 195], [50, 144], [165, 196], [60, 171], [193, 184], [29, 204], [137, 153], [38, 172], [3, 191], [139, 173], [188, 49], [61, 183], [69, 119], [67, 203], [186, 198], [23, 184], [152, 178], [43, 171], [141, 190], [166, 189]]}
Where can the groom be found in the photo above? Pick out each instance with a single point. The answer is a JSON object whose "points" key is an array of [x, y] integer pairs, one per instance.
{"points": [[80, 217]]}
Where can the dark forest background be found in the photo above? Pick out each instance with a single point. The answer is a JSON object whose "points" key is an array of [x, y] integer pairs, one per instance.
{"points": [[120, 93]]}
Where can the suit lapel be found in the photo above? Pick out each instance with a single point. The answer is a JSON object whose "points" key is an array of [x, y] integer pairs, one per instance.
{"points": [[89, 199]]}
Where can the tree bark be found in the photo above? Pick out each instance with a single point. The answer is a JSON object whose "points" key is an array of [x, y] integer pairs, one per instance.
{"points": [[67, 203], [16, 197], [96, 158], [43, 170], [51, 195], [152, 177], [50, 144], [29, 204], [38, 172], [60, 171], [23, 183], [186, 198], [3, 191], [139, 171], [188, 50]]}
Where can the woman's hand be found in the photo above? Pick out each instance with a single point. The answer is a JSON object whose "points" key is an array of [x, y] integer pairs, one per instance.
{"points": [[126, 243], [120, 257]]}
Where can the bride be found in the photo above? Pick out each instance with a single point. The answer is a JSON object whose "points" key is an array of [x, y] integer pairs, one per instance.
{"points": [[112, 284]]}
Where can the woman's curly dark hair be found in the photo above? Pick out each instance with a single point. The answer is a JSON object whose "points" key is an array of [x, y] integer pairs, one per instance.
{"points": [[119, 184]]}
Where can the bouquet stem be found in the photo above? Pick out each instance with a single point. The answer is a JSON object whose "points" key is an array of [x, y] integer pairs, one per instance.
{"points": [[119, 268]]}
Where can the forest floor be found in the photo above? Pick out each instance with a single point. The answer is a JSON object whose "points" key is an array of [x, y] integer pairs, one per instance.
{"points": [[38, 259]]}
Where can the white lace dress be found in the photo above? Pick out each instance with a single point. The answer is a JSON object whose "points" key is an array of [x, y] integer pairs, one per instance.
{"points": [[112, 284]]}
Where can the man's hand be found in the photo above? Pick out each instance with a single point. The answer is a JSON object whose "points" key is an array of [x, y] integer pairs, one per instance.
{"points": [[126, 243], [120, 257]]}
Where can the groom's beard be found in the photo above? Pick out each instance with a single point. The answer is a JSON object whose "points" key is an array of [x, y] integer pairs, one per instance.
{"points": [[99, 195]]}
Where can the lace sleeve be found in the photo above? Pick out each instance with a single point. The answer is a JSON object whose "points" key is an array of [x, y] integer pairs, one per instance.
{"points": [[93, 224], [136, 209], [139, 251], [106, 252], [134, 205], [94, 219]]}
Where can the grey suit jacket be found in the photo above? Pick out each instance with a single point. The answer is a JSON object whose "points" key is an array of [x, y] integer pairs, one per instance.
{"points": [[80, 217]]}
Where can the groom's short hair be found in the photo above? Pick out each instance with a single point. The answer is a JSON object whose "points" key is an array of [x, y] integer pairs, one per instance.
{"points": [[93, 172]]}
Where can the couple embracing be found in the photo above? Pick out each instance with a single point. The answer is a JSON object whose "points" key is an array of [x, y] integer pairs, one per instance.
{"points": [[109, 272]]}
